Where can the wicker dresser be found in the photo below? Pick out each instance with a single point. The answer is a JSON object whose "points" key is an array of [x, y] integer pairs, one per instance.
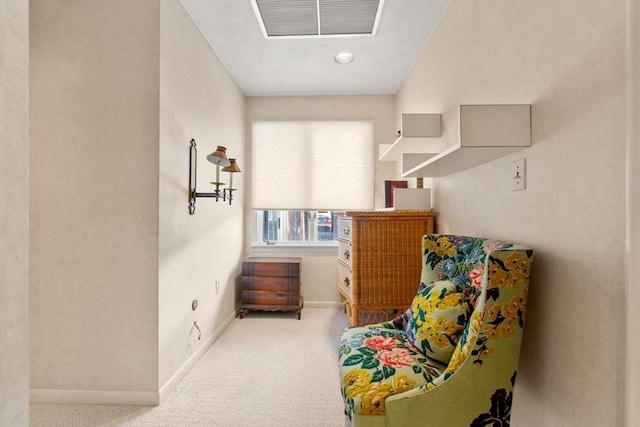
{"points": [[379, 261]]}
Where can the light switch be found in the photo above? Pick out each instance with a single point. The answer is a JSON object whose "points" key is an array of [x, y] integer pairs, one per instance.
{"points": [[519, 175]]}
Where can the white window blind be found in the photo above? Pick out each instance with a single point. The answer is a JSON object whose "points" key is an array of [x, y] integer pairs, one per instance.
{"points": [[312, 165]]}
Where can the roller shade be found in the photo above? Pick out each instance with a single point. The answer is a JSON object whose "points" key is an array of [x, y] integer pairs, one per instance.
{"points": [[312, 165]]}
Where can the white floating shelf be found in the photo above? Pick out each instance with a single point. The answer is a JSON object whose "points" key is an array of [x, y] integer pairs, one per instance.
{"points": [[456, 159], [411, 160], [382, 148], [418, 130], [487, 132]]}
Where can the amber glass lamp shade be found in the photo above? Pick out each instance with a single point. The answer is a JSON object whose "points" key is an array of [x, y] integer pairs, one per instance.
{"points": [[219, 157], [233, 166]]}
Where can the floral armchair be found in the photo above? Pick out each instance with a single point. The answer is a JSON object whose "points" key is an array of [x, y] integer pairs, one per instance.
{"points": [[451, 358]]}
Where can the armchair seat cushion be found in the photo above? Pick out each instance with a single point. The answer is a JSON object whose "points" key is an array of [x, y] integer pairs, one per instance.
{"points": [[377, 363]]}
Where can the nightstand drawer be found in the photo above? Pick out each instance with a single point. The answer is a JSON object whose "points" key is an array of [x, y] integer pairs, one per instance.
{"points": [[270, 297], [271, 267], [263, 283]]}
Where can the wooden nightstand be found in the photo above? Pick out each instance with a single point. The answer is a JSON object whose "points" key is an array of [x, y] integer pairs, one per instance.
{"points": [[271, 284]]}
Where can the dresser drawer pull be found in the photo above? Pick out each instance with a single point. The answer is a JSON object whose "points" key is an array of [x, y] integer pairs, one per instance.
{"points": [[346, 231], [347, 283], [346, 254]]}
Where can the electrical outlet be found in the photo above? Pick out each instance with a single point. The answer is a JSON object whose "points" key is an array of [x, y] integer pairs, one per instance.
{"points": [[519, 175]]}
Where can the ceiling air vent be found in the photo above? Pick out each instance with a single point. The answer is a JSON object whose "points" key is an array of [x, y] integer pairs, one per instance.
{"points": [[316, 18]]}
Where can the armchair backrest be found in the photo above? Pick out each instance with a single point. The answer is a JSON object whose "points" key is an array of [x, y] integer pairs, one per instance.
{"points": [[495, 277], [488, 272], [482, 370], [459, 259]]}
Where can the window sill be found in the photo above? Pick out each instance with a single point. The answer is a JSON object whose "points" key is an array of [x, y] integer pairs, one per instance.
{"points": [[327, 248]]}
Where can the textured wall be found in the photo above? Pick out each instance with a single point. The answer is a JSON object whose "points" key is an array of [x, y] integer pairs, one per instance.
{"points": [[632, 374], [198, 99], [14, 212], [567, 59], [319, 271], [94, 130]]}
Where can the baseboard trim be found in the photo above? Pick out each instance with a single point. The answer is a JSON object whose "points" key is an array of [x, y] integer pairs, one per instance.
{"points": [[94, 397], [146, 398], [322, 304], [173, 382]]}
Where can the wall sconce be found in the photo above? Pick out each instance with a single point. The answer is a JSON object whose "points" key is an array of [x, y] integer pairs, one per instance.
{"points": [[218, 158]]}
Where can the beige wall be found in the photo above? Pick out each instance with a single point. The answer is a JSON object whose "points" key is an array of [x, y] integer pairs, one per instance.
{"points": [[94, 130], [14, 212], [632, 367], [198, 99], [319, 270], [118, 90], [567, 59], [106, 299]]}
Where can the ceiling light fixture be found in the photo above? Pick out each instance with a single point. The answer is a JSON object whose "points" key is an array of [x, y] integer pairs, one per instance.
{"points": [[344, 58]]}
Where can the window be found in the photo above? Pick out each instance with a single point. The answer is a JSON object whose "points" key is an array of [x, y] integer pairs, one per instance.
{"points": [[302, 172], [296, 226]]}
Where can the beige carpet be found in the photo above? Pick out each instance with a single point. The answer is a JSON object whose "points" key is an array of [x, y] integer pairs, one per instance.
{"points": [[266, 370]]}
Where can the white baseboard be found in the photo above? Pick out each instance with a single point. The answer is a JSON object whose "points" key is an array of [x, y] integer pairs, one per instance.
{"points": [[152, 398], [170, 385], [322, 304], [93, 397]]}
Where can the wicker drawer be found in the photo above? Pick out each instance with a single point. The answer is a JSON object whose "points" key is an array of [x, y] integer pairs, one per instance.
{"points": [[344, 228], [344, 280], [344, 252]]}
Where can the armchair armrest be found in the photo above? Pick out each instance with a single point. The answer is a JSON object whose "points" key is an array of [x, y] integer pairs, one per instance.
{"points": [[452, 403]]}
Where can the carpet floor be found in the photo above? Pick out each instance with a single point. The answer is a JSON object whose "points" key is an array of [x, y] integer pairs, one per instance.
{"points": [[266, 370]]}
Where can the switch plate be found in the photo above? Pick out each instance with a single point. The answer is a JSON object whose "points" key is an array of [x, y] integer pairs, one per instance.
{"points": [[519, 175], [217, 286]]}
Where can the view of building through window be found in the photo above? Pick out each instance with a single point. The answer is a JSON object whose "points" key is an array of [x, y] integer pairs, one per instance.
{"points": [[296, 226]]}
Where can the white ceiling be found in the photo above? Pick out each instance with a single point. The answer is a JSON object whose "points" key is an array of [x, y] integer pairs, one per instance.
{"points": [[305, 66]]}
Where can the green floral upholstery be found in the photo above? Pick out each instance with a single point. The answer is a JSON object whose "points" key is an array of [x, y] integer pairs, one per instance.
{"points": [[381, 362], [388, 372], [438, 315]]}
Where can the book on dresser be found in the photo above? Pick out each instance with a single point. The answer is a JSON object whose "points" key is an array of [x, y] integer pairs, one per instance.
{"points": [[271, 284], [379, 262]]}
